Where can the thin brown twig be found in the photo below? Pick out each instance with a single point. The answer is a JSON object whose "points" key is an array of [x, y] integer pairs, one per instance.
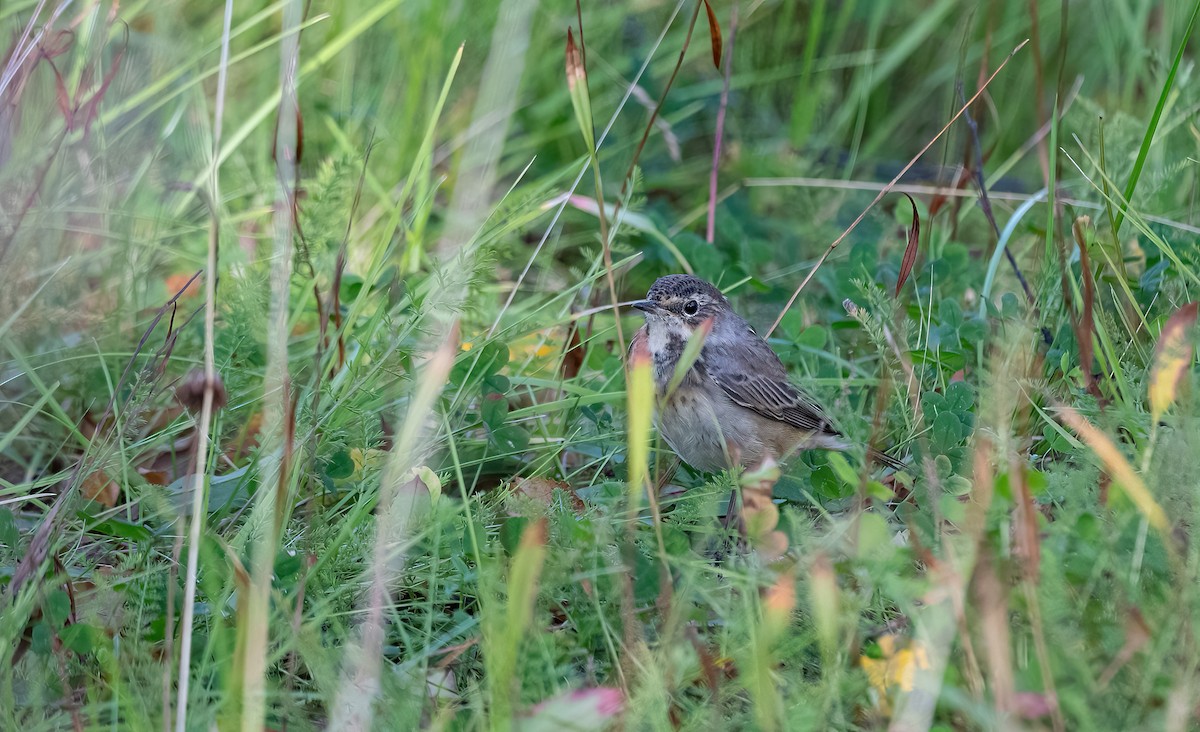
{"points": [[662, 98], [637, 153], [854, 224], [985, 203], [710, 229]]}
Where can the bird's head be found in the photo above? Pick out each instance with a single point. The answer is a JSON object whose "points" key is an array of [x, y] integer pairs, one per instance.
{"points": [[677, 305]]}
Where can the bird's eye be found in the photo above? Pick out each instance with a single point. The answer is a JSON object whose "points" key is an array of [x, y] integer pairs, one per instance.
{"points": [[691, 308]]}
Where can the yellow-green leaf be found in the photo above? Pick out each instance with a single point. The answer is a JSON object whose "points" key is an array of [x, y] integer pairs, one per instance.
{"points": [[641, 412], [1124, 476], [427, 477], [1172, 357]]}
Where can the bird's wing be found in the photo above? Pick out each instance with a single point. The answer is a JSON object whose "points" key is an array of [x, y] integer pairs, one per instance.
{"points": [[757, 380]]}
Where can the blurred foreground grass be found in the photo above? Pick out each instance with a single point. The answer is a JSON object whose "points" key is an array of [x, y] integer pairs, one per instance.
{"points": [[424, 496]]}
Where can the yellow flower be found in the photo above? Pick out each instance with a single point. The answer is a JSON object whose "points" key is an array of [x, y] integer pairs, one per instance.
{"points": [[896, 669]]}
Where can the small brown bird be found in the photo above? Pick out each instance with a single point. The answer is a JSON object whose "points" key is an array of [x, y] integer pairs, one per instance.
{"points": [[735, 404]]}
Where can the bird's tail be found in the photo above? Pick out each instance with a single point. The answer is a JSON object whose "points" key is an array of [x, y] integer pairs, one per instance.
{"points": [[878, 456]]}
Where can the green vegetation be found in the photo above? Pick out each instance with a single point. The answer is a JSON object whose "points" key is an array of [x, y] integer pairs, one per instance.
{"points": [[425, 500]]}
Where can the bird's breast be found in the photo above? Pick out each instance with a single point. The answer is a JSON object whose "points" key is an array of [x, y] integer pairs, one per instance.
{"points": [[667, 349], [705, 428]]}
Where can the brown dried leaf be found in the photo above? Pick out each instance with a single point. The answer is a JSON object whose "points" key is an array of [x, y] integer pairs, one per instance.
{"points": [[247, 437], [100, 488], [760, 514], [155, 476], [541, 491], [575, 70], [572, 360], [714, 32], [910, 251], [91, 425], [190, 392]]}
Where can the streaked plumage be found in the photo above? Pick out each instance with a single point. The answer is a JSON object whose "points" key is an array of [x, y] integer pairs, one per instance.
{"points": [[736, 404]]}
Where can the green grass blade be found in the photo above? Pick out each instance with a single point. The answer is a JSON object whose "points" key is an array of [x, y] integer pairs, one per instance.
{"points": [[1152, 127]]}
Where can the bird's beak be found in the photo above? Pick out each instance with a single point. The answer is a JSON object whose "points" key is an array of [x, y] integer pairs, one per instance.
{"points": [[646, 306]]}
